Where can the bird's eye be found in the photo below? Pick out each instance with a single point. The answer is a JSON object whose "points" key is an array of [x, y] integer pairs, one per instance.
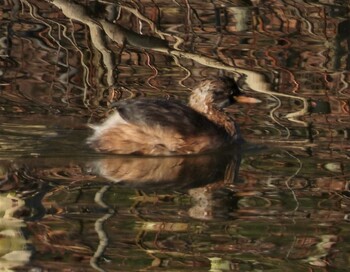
{"points": [[218, 92]]}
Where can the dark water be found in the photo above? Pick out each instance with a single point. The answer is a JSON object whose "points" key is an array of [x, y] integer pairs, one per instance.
{"points": [[281, 202]]}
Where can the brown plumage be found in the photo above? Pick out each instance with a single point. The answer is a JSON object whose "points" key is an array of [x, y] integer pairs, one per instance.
{"points": [[165, 127]]}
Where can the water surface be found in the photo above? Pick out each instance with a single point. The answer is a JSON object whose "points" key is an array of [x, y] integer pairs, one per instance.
{"points": [[279, 202]]}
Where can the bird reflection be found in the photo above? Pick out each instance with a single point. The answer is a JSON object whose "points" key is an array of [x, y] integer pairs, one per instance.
{"points": [[205, 178], [177, 172]]}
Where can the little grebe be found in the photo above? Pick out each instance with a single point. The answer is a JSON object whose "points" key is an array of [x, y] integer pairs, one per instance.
{"points": [[165, 127]]}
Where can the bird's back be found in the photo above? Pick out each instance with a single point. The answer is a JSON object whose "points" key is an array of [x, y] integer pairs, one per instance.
{"points": [[168, 114], [157, 126]]}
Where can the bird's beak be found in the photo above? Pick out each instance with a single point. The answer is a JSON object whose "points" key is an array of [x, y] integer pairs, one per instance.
{"points": [[246, 99]]}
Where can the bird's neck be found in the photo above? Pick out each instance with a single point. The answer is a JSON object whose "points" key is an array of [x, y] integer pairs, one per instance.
{"points": [[217, 116], [222, 119]]}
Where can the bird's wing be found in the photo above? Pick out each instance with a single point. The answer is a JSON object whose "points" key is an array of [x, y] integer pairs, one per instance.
{"points": [[164, 113]]}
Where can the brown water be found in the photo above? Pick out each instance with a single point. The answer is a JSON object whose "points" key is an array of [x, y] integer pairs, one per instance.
{"points": [[281, 202]]}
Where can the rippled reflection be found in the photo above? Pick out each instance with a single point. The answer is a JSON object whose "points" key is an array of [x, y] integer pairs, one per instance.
{"points": [[280, 204], [176, 172], [274, 205], [13, 251]]}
